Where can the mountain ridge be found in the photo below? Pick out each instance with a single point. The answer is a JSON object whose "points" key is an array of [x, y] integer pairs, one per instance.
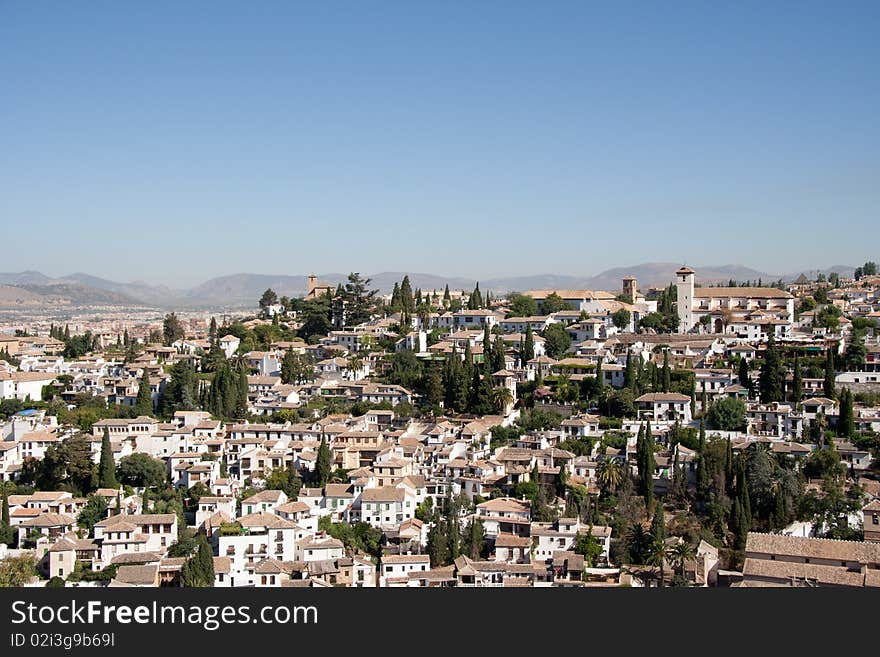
{"points": [[244, 288]]}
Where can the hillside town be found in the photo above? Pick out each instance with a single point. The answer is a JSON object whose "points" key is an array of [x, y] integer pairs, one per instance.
{"points": [[692, 435]]}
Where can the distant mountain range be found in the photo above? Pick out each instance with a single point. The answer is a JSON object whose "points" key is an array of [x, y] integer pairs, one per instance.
{"points": [[32, 288]]}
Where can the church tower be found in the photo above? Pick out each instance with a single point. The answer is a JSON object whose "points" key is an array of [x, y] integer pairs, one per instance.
{"points": [[629, 288], [684, 284]]}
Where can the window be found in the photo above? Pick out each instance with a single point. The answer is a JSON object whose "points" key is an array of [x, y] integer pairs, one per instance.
{"points": [[875, 519]]}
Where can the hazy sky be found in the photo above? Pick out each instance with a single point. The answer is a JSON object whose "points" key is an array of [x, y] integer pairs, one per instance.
{"points": [[175, 141]]}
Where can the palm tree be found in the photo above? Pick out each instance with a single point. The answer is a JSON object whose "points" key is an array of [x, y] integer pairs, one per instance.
{"points": [[609, 474], [637, 542], [355, 364], [658, 552], [680, 554], [502, 397]]}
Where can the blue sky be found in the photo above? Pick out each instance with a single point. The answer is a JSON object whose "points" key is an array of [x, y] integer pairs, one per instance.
{"points": [[171, 142]]}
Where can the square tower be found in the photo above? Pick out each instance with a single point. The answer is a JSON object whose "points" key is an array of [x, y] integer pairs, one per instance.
{"points": [[684, 287], [629, 288]]}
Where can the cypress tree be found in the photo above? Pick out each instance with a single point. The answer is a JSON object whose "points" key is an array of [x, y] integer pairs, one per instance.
{"points": [[487, 348], [649, 465], [658, 526], [628, 372], [828, 387], [106, 466], [846, 420], [771, 382], [745, 380], [144, 403], [499, 359], [529, 345], [797, 386], [323, 464], [198, 569], [4, 518], [666, 375]]}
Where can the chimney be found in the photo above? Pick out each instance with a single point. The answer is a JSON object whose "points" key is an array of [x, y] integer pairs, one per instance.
{"points": [[313, 282]]}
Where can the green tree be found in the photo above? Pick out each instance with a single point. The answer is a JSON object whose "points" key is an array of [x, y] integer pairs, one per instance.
{"points": [[521, 305], [360, 300], [75, 452], [658, 524], [269, 298], [144, 403], [621, 318], [828, 388], [553, 303], [659, 552], [324, 463], [745, 379], [797, 384], [475, 301], [141, 470], [438, 541], [172, 329], [474, 538], [94, 511], [107, 466], [727, 414], [296, 368], [556, 340], [198, 569], [528, 350], [856, 352], [771, 383], [609, 474], [846, 421], [586, 544], [666, 374]]}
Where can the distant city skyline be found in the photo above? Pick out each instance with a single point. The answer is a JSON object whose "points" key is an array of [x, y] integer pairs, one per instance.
{"points": [[172, 143]]}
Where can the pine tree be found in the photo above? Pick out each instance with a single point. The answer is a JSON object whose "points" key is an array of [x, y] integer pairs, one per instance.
{"points": [[324, 463], [106, 466]]}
